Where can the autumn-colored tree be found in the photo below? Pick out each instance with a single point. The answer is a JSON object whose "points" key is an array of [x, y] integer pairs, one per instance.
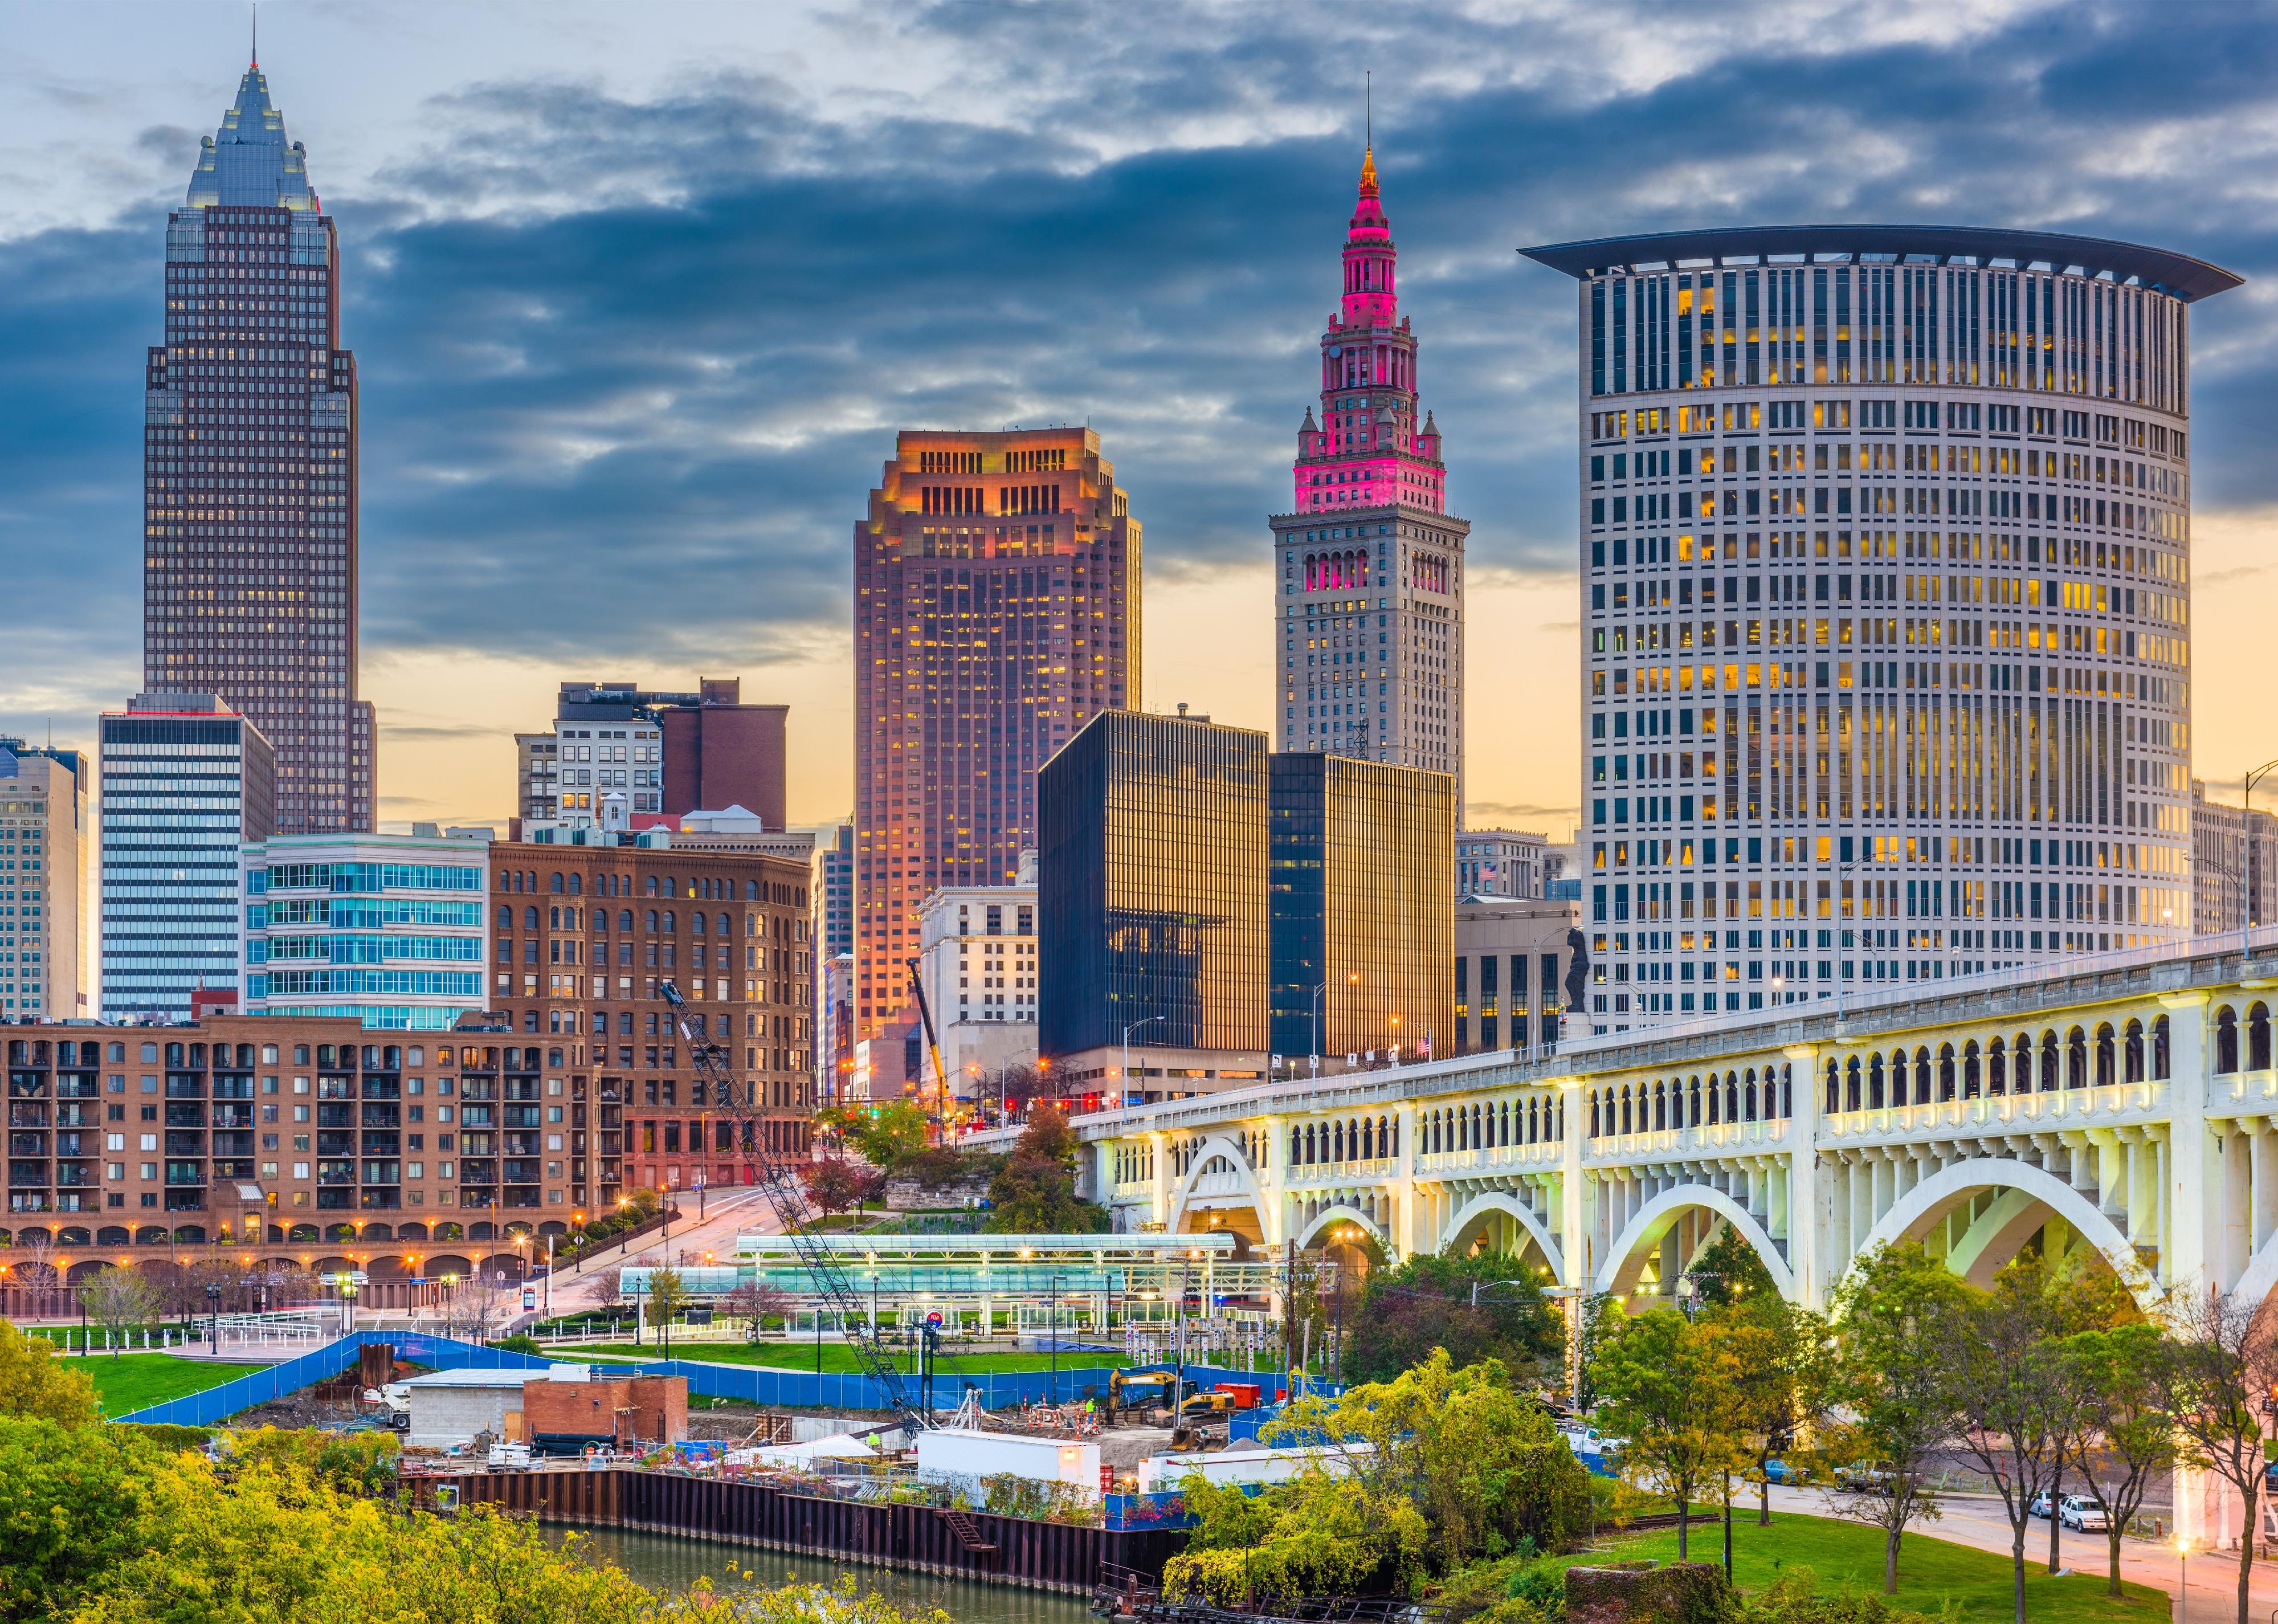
{"points": [[1483, 1304], [2219, 1370], [1669, 1390], [666, 1295], [752, 1303], [35, 1382], [1034, 1194], [833, 1184]]}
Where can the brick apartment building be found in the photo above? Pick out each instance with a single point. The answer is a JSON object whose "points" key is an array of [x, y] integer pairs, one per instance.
{"points": [[583, 937]]}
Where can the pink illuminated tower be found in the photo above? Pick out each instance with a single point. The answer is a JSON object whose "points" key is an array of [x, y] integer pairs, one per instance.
{"points": [[1371, 623]]}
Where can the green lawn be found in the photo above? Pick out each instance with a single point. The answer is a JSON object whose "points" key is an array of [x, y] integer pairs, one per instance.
{"points": [[837, 1356], [136, 1381], [1931, 1571]]}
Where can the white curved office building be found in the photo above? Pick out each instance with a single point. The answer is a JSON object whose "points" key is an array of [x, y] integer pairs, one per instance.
{"points": [[1886, 590]]}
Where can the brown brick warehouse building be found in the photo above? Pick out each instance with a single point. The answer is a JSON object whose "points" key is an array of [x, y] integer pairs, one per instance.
{"points": [[320, 1142]]}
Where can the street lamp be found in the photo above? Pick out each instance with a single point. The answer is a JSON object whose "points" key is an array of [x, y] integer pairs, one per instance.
{"points": [[1129, 1028], [2246, 828]]}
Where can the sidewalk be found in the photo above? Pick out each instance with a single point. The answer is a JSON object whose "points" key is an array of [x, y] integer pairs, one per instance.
{"points": [[1979, 1522]]}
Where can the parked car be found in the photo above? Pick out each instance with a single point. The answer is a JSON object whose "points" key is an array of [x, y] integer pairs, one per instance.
{"points": [[2085, 1513], [1865, 1477], [1780, 1472]]}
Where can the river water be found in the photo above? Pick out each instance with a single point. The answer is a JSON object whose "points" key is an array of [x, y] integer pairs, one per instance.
{"points": [[664, 1563]]}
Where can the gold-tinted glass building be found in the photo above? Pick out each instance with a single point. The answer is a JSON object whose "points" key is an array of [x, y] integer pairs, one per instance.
{"points": [[1363, 920], [1152, 904]]}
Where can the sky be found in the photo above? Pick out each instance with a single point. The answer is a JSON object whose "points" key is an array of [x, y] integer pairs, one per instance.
{"points": [[640, 296]]}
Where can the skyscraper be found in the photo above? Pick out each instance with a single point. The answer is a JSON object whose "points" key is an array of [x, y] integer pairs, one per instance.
{"points": [[1885, 576], [43, 819], [1152, 908], [184, 780], [995, 611], [1369, 636], [249, 464]]}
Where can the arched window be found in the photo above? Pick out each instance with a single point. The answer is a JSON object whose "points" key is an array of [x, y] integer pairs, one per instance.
{"points": [[1593, 1115], [1922, 1075], [1874, 1083], [554, 881], [505, 917], [1748, 1102], [1716, 1101], [1660, 1104], [1971, 1078], [1851, 1096], [624, 919], [2049, 1071], [2107, 1071], [2226, 1040], [1996, 1068], [1945, 1072], [652, 919], [697, 920], [1532, 1123], [576, 884], [2133, 1052], [670, 924], [727, 926], [648, 885], [1627, 1119], [1732, 1096], [1336, 1142], [1835, 1088], [1787, 1091], [2160, 1062], [1693, 1105], [529, 919], [2077, 1059], [2258, 1038]]}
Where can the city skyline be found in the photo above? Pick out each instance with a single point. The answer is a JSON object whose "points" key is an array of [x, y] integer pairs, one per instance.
{"points": [[1250, 195]]}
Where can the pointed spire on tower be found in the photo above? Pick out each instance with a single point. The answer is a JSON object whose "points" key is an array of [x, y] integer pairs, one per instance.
{"points": [[1368, 174], [257, 33]]}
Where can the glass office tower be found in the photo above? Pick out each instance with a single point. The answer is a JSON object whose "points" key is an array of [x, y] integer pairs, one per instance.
{"points": [[1363, 920], [1152, 902]]}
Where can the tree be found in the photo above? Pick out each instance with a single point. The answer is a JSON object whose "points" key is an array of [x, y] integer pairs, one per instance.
{"points": [[1484, 1306], [609, 1289], [833, 1184], [1782, 1355], [666, 1297], [119, 1300], [752, 1303], [1479, 1459], [2219, 1370], [887, 1136], [1727, 1271], [1897, 1314], [1669, 1390], [2128, 1443], [2012, 1399], [34, 1382], [69, 1507], [1318, 1533], [1034, 1193]]}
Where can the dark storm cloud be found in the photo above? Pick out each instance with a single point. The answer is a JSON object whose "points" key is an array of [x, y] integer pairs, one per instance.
{"points": [[628, 368]]}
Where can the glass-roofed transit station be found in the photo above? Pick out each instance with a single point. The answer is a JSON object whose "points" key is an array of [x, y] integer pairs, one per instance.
{"points": [[1021, 1282]]}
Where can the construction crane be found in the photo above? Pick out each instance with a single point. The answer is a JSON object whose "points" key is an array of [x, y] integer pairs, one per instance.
{"points": [[780, 1185], [933, 1039]]}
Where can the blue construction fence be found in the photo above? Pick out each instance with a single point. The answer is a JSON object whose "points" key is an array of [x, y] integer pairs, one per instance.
{"points": [[793, 1390]]}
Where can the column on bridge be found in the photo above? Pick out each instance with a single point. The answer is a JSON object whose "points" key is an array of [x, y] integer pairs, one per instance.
{"points": [[2184, 1245], [1158, 1164], [1577, 1253], [1406, 1225], [1805, 1184]]}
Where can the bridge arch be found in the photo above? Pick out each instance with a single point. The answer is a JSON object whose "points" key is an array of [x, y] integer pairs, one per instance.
{"points": [[2029, 1197], [1496, 1201], [1342, 1214], [1625, 1259], [1204, 1157]]}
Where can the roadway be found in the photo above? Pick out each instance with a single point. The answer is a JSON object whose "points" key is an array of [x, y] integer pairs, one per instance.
{"points": [[727, 1214], [1978, 1520]]}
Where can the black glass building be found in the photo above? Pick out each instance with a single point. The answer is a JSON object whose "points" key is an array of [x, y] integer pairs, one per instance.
{"points": [[1363, 925], [1152, 895]]}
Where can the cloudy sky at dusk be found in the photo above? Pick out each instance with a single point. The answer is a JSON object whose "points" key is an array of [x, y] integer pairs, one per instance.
{"points": [[640, 294]]}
